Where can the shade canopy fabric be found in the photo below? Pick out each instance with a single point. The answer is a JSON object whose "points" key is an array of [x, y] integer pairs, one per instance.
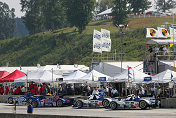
{"points": [[160, 41], [94, 76], [39, 77], [137, 76], [108, 11], [74, 76], [3, 74], [12, 76], [165, 76]]}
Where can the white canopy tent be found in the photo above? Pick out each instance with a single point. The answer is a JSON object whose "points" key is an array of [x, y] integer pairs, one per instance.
{"points": [[164, 77], [94, 76], [39, 77], [137, 77], [108, 11], [74, 76], [160, 41]]}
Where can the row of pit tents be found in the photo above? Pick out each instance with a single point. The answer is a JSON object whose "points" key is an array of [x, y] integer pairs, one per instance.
{"points": [[81, 77]]}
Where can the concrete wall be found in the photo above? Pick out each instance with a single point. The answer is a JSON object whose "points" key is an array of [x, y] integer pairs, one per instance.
{"points": [[4, 98], [168, 103], [8, 115]]}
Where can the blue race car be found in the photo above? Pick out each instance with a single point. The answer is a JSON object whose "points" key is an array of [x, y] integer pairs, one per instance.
{"points": [[21, 100], [49, 101]]}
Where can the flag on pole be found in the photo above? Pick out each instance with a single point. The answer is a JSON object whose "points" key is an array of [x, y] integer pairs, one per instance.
{"points": [[151, 33], [106, 41], [130, 74], [97, 43]]}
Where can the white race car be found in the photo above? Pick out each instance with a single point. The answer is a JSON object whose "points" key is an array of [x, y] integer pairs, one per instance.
{"points": [[132, 101]]}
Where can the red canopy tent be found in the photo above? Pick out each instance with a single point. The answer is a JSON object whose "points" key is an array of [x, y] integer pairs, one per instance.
{"points": [[3, 74], [12, 76]]}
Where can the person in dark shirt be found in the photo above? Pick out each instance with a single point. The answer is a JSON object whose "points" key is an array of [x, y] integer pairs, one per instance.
{"points": [[29, 108]]}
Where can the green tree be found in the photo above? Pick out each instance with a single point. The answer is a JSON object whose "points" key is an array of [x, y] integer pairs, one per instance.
{"points": [[164, 5], [55, 16], [7, 21], [79, 12], [41, 15], [34, 18], [120, 12], [139, 6]]}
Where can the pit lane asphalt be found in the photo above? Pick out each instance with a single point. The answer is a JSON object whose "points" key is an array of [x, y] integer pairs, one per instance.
{"points": [[99, 112]]}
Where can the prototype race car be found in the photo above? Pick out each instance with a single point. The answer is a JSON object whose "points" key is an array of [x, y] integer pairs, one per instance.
{"points": [[132, 101], [22, 100], [49, 101], [94, 101]]}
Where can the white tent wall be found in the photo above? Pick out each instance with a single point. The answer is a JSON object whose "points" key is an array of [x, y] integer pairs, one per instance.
{"points": [[137, 77], [39, 76], [93, 76], [74, 76], [164, 77], [108, 69], [113, 68]]}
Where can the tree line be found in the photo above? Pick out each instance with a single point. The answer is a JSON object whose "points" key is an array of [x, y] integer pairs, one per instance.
{"points": [[44, 15]]}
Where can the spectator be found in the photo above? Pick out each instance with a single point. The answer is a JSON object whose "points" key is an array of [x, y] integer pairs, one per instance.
{"points": [[1, 90], [114, 92], [7, 90], [18, 91], [23, 90], [29, 108], [141, 92]]}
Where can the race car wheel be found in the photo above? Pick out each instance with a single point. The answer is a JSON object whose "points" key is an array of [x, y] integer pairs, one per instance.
{"points": [[10, 101], [105, 103], [59, 103], [113, 105], [143, 104], [79, 104], [29, 100], [34, 104]]}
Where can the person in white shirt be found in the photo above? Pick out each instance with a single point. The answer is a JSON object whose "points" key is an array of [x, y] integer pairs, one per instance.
{"points": [[23, 90], [114, 92], [95, 94]]}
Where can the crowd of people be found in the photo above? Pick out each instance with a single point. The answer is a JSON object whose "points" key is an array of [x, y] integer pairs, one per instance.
{"points": [[86, 90]]}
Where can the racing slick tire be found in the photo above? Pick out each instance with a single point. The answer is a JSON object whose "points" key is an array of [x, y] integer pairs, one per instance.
{"points": [[10, 100], [143, 104], [79, 104], [29, 100], [105, 103], [34, 104], [59, 103], [113, 105]]}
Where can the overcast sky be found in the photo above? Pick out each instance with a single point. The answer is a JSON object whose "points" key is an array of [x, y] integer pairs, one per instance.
{"points": [[16, 4]]}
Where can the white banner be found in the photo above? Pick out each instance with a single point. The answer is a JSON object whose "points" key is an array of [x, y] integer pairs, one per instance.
{"points": [[106, 41], [97, 43], [163, 33], [151, 33], [172, 31]]}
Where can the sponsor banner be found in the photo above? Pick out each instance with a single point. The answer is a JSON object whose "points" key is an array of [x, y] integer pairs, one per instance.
{"points": [[163, 33], [146, 79], [106, 41], [97, 43], [102, 79], [172, 32], [151, 33]]}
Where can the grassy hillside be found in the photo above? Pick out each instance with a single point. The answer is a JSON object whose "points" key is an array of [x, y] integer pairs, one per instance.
{"points": [[69, 47]]}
